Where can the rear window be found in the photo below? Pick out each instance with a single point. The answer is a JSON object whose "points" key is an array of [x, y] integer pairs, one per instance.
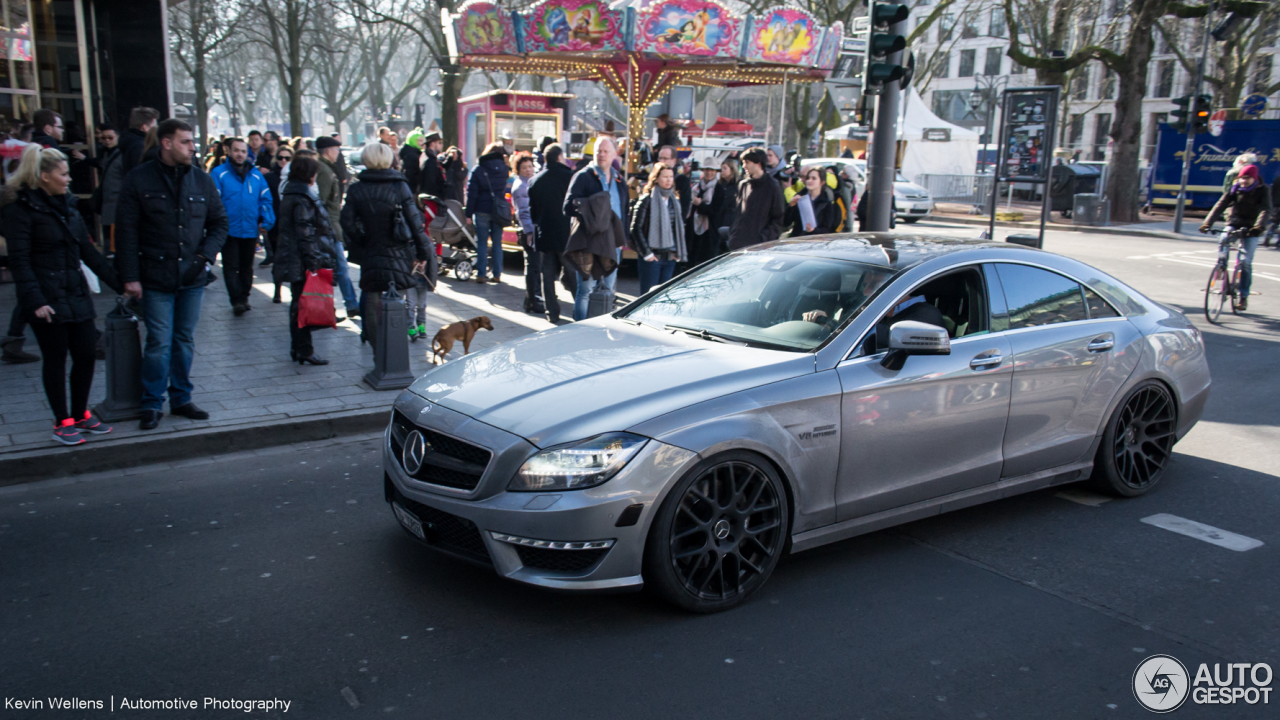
{"points": [[1039, 297]]}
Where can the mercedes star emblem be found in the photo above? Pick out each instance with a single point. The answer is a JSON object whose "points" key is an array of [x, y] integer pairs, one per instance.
{"points": [[415, 449]]}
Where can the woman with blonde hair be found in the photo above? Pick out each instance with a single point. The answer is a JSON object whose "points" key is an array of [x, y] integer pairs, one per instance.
{"points": [[383, 231], [48, 241]]}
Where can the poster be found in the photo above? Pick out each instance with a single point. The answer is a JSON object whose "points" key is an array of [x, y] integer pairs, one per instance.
{"points": [[573, 26], [784, 35], [688, 27], [485, 29], [1028, 131]]}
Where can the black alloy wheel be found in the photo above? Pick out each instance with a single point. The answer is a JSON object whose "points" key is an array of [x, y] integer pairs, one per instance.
{"points": [[719, 534], [1138, 442]]}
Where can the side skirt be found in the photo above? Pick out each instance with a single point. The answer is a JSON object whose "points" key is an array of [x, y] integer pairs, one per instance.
{"points": [[1007, 487]]}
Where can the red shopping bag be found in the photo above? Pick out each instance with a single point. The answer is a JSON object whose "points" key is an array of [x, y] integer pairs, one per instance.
{"points": [[315, 307]]}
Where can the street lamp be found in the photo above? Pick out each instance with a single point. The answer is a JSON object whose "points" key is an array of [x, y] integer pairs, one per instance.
{"points": [[250, 95], [982, 96], [216, 93]]}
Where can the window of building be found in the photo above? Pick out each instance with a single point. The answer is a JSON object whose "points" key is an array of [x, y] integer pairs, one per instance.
{"points": [[922, 3], [943, 65], [1116, 8], [946, 24], [1101, 133], [1075, 131], [1015, 68], [971, 29], [998, 28], [1080, 84], [1261, 74], [1038, 297], [992, 66], [1109, 85], [967, 59], [17, 75], [1164, 79], [953, 106]]}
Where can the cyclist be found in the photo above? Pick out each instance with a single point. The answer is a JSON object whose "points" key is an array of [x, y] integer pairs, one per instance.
{"points": [[1250, 203], [1275, 214]]}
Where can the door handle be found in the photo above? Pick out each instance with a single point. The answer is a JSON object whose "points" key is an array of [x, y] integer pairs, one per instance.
{"points": [[986, 361], [1101, 344]]}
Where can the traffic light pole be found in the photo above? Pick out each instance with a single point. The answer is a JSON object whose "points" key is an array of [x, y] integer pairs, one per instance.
{"points": [[881, 164], [1192, 109]]}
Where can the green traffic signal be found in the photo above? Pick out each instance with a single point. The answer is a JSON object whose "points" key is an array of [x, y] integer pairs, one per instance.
{"points": [[888, 13], [882, 44], [1182, 114]]}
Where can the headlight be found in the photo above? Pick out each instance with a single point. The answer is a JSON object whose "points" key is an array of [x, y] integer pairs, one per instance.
{"points": [[583, 464]]}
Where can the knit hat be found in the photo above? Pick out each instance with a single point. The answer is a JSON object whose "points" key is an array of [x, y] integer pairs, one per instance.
{"points": [[414, 138], [777, 150], [1249, 171]]}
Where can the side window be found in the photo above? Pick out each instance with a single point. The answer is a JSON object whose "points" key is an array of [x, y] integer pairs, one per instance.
{"points": [[1038, 297], [1098, 308]]}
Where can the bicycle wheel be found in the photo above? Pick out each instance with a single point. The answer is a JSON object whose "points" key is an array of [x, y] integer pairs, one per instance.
{"points": [[1215, 294]]}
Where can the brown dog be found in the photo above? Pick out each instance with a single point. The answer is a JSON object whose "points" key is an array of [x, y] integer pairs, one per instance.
{"points": [[450, 334]]}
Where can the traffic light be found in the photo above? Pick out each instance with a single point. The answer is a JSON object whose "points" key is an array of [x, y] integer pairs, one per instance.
{"points": [[1179, 117], [882, 43], [1200, 123]]}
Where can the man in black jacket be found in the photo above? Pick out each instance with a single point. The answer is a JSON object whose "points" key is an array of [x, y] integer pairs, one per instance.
{"points": [[668, 156], [170, 225], [546, 207], [760, 204], [432, 181], [141, 119], [411, 162]]}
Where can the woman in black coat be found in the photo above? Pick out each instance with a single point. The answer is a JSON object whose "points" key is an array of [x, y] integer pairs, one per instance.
{"points": [[486, 195], [383, 227], [826, 213], [455, 175], [47, 241], [306, 244]]}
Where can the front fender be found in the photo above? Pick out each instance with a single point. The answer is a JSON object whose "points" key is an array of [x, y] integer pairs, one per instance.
{"points": [[794, 423]]}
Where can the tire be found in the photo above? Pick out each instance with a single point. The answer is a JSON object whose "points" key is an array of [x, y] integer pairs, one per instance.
{"points": [[463, 270], [909, 220], [1215, 294], [1138, 441], [719, 534], [1235, 290]]}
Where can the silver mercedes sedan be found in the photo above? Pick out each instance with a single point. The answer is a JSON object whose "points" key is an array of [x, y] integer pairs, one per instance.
{"points": [[784, 397]]}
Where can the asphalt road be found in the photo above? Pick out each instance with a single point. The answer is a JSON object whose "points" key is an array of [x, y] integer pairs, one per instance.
{"points": [[284, 575]]}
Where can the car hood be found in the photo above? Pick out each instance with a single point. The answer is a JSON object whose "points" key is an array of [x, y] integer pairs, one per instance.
{"points": [[909, 188], [602, 375]]}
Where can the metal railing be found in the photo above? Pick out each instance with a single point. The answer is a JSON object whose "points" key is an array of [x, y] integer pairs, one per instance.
{"points": [[972, 190]]}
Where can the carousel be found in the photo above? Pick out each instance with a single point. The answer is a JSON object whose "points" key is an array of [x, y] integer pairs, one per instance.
{"points": [[639, 50]]}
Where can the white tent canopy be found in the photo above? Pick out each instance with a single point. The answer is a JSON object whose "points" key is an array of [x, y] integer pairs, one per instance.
{"points": [[958, 156]]}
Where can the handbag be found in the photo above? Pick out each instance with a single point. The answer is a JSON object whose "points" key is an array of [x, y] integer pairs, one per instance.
{"points": [[501, 206], [400, 231], [315, 307]]}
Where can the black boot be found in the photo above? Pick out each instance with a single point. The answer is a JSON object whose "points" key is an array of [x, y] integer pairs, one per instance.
{"points": [[13, 352]]}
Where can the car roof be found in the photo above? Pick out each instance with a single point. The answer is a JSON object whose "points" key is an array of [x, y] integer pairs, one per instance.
{"points": [[895, 252]]}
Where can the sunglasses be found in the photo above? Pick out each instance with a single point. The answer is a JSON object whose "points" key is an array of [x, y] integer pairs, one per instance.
{"points": [[285, 158]]}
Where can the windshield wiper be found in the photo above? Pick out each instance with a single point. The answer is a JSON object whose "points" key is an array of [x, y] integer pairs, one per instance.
{"points": [[705, 334]]}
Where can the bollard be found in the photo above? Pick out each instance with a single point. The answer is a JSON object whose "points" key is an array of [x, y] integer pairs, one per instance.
{"points": [[390, 345], [124, 366]]}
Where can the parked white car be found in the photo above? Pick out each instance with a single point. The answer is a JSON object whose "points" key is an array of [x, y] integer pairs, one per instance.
{"points": [[913, 201]]}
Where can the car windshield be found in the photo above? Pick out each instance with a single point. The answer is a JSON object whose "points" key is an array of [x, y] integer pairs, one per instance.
{"points": [[764, 299]]}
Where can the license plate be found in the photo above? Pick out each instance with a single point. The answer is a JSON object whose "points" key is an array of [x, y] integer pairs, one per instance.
{"points": [[407, 519]]}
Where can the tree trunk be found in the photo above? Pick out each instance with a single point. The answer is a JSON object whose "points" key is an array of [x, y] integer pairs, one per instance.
{"points": [[1124, 185], [202, 102], [454, 79]]}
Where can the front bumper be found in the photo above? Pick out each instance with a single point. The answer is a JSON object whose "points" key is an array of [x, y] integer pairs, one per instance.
{"points": [[515, 532]]}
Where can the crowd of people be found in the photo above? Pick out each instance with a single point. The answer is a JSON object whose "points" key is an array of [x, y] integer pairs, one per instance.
{"points": [[162, 213]]}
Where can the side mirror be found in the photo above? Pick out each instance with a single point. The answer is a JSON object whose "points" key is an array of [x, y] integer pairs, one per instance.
{"points": [[909, 337]]}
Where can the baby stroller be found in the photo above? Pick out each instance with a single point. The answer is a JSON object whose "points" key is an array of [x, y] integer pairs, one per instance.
{"points": [[453, 234]]}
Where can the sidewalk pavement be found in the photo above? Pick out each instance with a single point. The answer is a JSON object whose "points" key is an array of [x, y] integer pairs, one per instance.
{"points": [[242, 374], [1157, 228]]}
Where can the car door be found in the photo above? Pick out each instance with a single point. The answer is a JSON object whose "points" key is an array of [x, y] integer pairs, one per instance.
{"points": [[1072, 353], [932, 428]]}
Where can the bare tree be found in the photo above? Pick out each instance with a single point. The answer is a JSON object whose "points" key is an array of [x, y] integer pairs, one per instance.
{"points": [[1231, 62], [338, 71], [286, 28], [199, 30]]}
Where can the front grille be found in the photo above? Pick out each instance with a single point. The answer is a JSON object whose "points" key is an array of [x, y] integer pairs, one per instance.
{"points": [[449, 462], [449, 532], [560, 561]]}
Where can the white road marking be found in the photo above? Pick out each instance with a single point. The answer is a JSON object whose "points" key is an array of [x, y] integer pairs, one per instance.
{"points": [[1200, 531], [1083, 497]]}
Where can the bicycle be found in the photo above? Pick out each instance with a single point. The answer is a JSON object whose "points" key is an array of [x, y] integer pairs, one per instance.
{"points": [[1221, 284]]}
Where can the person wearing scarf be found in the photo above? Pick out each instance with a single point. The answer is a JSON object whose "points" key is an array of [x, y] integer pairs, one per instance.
{"points": [[658, 230], [1249, 201]]}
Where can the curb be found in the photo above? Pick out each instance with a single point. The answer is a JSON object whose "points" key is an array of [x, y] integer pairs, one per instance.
{"points": [[1093, 230], [34, 465]]}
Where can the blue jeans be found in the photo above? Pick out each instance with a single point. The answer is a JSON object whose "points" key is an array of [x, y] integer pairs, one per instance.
{"points": [[654, 273], [586, 284], [487, 229], [1248, 246], [166, 360], [342, 278]]}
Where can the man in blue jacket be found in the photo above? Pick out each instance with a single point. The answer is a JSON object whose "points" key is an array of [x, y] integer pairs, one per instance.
{"points": [[247, 198]]}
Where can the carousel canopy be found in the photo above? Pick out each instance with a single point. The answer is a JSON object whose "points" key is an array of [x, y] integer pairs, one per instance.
{"points": [[639, 52]]}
